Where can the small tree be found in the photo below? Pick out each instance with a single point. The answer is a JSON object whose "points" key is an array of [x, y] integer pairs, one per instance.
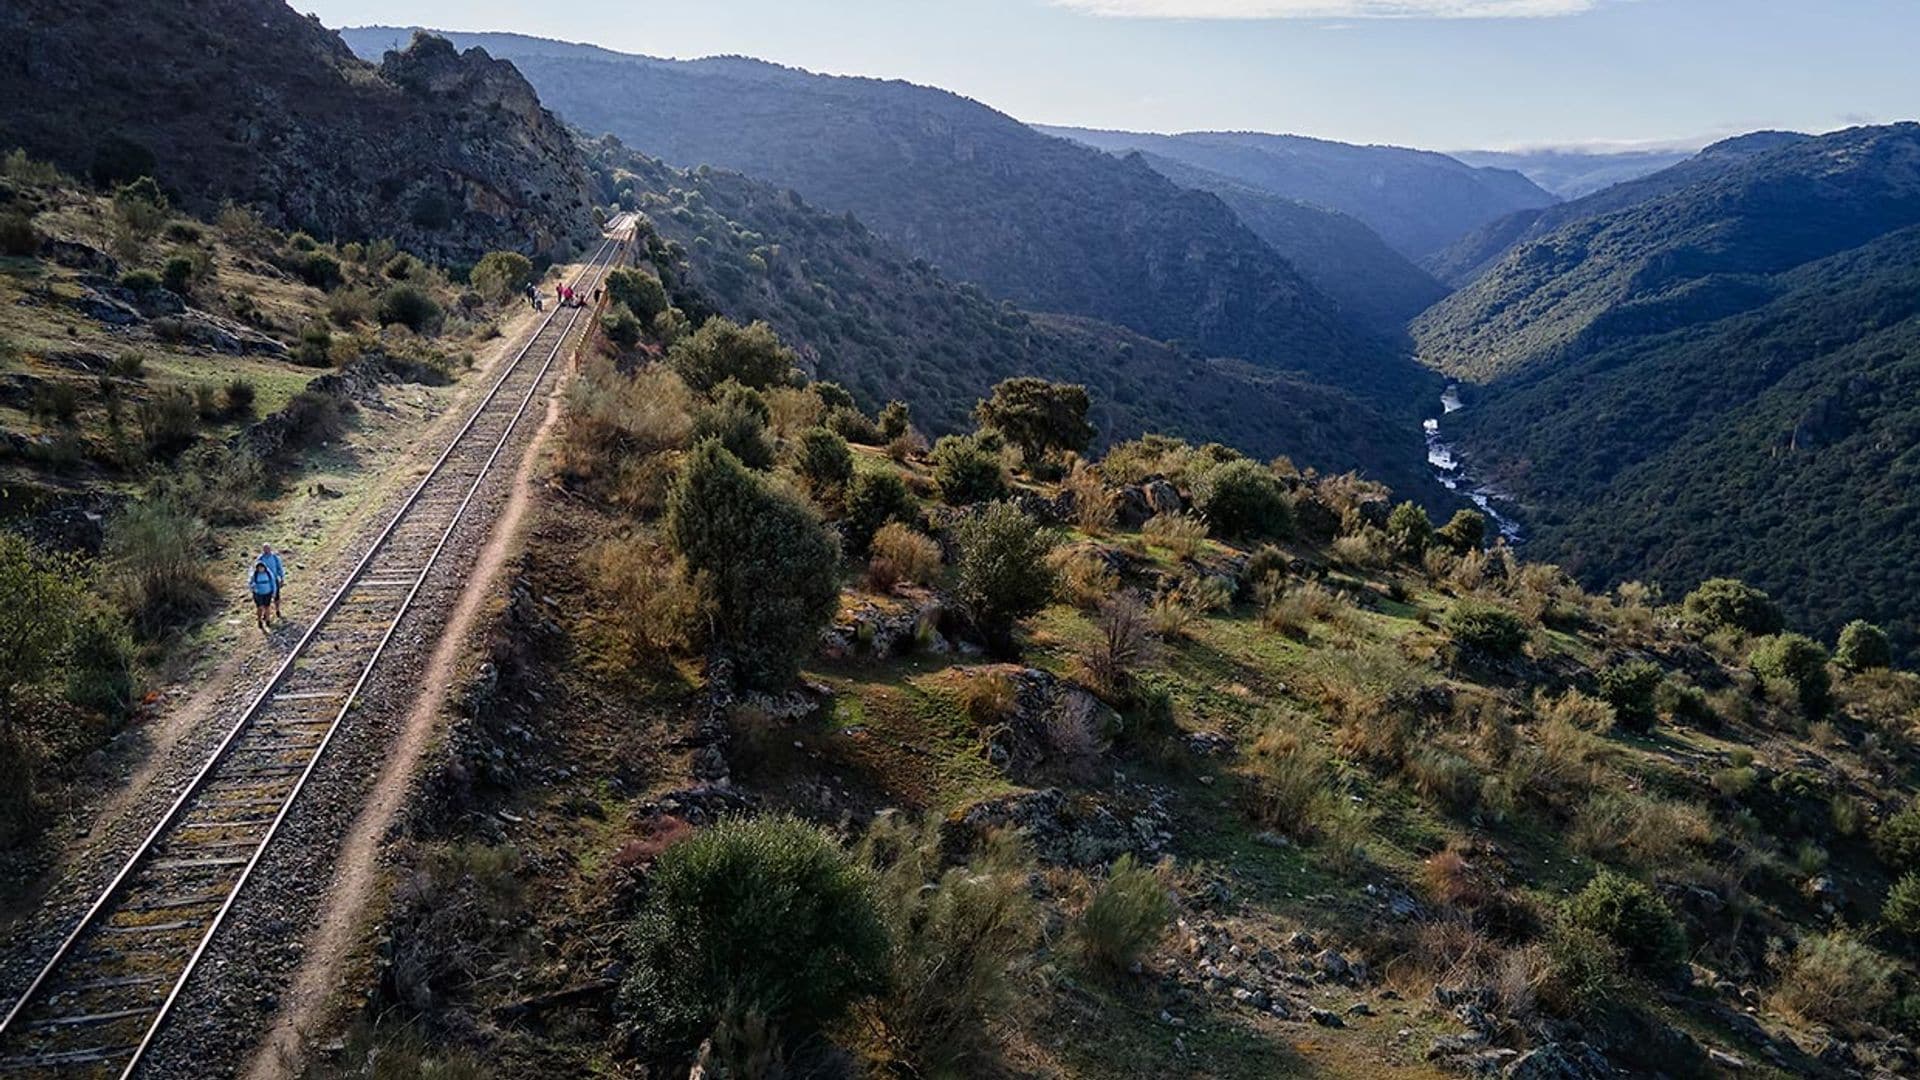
{"points": [[1798, 661], [1003, 575], [412, 308], [1630, 688], [966, 471], [1727, 604], [823, 462], [1465, 531], [765, 916], [720, 350], [770, 565], [895, 420], [1863, 647], [1038, 416], [873, 500], [500, 275], [1409, 530], [1241, 498], [640, 291]]}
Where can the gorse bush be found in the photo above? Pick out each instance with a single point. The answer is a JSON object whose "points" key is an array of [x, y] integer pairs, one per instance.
{"points": [[1727, 604], [1242, 499], [1863, 647], [1485, 629], [770, 565], [1799, 662], [1128, 915], [1630, 687], [766, 915], [1632, 916], [966, 471]]}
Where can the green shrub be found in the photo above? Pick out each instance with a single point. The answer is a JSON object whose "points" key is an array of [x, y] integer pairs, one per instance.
{"points": [[1687, 705], [169, 422], [1004, 575], [1583, 971], [140, 206], [640, 291], [1898, 839], [823, 462], [873, 500], [321, 270], [1727, 604], [1632, 916], [737, 417], [765, 916], [895, 420], [958, 932], [1486, 629], [720, 350], [239, 394], [621, 326], [58, 401], [1863, 647], [1465, 531], [501, 275], [178, 274], [1038, 416], [771, 567], [1128, 915], [1800, 662], [1242, 499], [966, 471], [1901, 912], [1630, 688], [853, 425], [1266, 562], [411, 307], [316, 346], [1835, 979], [100, 663], [140, 281], [1409, 530], [18, 237], [154, 548]]}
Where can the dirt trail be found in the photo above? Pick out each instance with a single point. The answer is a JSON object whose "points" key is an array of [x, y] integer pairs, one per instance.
{"points": [[353, 889]]}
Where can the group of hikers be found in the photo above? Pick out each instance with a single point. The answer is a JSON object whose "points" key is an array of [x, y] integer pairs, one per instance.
{"points": [[269, 573], [563, 294]]}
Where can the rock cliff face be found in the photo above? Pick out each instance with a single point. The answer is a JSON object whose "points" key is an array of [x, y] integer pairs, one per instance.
{"points": [[449, 154]]}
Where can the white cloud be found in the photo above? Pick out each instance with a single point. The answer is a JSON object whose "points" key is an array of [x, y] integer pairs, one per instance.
{"points": [[1330, 9]]}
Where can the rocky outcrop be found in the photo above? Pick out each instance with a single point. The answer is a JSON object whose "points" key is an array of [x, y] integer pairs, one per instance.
{"points": [[1079, 830], [447, 153]]}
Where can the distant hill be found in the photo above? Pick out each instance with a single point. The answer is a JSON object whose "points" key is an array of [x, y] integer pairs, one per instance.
{"points": [[1417, 200], [1720, 379], [886, 325], [451, 155], [1470, 256], [1337, 253], [1039, 221], [1573, 172]]}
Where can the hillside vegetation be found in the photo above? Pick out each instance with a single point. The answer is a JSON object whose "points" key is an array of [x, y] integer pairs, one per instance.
{"points": [[1048, 224], [246, 101], [1417, 200], [890, 327], [871, 759]]}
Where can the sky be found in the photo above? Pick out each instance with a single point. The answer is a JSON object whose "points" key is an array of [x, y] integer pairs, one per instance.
{"points": [[1439, 74]]}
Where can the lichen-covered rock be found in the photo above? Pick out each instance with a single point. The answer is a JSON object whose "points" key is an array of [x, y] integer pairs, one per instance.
{"points": [[1069, 830]]}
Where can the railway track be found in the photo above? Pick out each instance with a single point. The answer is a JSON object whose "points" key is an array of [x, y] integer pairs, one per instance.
{"points": [[98, 1003]]}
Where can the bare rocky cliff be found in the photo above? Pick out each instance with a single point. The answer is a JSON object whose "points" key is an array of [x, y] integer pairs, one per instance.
{"points": [[447, 153]]}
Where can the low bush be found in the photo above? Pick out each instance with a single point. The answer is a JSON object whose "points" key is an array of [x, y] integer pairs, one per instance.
{"points": [[902, 555], [1465, 532], [1127, 916], [1901, 911], [736, 417], [823, 462], [1863, 647], [1123, 644], [169, 422], [1086, 578], [1486, 629], [721, 350], [239, 395], [873, 500], [18, 237], [321, 270], [411, 307], [1178, 533], [1095, 505], [966, 471], [1242, 499], [154, 548], [314, 418], [766, 916], [1835, 979], [1409, 530], [1583, 972], [1727, 604], [1898, 839], [1630, 688], [651, 606], [1003, 571], [1801, 663], [1631, 916], [56, 401], [140, 281], [1288, 786]]}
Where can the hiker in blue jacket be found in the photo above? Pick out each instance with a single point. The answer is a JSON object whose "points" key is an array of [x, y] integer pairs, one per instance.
{"points": [[271, 560], [264, 588]]}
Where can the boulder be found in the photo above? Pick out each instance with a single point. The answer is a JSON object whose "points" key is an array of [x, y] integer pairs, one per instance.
{"points": [[1560, 1061]]}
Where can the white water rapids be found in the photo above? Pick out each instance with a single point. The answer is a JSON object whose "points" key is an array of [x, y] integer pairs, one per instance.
{"points": [[1451, 472]]}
